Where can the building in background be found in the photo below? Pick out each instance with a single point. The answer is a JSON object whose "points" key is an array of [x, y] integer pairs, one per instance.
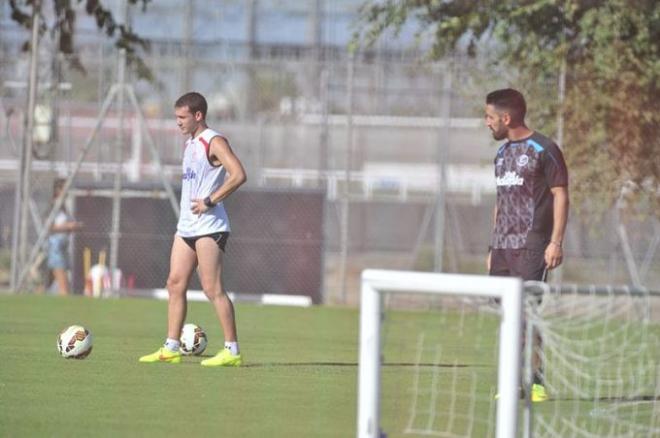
{"points": [[396, 145]]}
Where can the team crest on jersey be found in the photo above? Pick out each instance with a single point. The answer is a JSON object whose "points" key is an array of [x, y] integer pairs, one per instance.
{"points": [[499, 162], [523, 160]]}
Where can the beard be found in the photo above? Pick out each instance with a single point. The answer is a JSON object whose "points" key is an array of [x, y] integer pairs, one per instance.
{"points": [[499, 135]]}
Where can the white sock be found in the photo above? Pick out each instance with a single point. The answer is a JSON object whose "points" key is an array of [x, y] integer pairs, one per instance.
{"points": [[172, 344], [232, 347]]}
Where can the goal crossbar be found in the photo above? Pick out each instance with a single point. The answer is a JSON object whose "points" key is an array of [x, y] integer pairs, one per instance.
{"points": [[376, 282]]}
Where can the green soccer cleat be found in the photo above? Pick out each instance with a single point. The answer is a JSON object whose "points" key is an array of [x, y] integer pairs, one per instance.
{"points": [[163, 355], [538, 393], [224, 358]]}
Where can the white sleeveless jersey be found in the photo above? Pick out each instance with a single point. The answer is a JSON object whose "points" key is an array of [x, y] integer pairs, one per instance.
{"points": [[199, 180]]}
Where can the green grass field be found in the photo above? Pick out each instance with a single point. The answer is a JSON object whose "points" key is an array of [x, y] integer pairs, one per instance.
{"points": [[300, 378]]}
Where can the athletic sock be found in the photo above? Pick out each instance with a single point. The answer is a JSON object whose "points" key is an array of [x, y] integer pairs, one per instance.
{"points": [[232, 347], [172, 344]]}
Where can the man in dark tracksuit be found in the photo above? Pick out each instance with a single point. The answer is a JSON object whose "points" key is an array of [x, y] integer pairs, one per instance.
{"points": [[532, 200]]}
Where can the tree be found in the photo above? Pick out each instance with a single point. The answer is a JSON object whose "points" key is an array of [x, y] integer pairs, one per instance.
{"points": [[609, 49], [64, 28]]}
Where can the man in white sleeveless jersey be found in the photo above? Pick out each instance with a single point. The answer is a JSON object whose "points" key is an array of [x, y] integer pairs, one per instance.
{"points": [[210, 173]]}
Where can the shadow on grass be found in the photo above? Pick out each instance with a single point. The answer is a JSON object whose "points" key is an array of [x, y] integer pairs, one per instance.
{"points": [[354, 364]]}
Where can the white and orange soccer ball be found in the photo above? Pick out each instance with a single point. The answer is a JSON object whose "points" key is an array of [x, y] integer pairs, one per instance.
{"points": [[193, 340], [75, 342]]}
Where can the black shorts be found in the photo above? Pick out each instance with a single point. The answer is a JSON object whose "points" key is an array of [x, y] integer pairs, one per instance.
{"points": [[220, 238], [528, 264]]}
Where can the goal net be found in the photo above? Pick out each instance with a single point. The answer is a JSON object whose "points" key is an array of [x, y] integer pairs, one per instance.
{"points": [[601, 361], [438, 358]]}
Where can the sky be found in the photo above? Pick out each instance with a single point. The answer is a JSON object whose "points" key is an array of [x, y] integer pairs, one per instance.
{"points": [[278, 21]]}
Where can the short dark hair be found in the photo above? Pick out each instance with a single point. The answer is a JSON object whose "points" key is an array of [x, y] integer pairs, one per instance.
{"points": [[509, 100], [194, 101]]}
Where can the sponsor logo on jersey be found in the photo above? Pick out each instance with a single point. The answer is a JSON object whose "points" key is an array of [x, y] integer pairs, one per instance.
{"points": [[510, 179], [523, 160], [189, 174]]}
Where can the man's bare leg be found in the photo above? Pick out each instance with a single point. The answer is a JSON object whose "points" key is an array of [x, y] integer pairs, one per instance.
{"points": [[182, 264], [62, 280], [210, 275]]}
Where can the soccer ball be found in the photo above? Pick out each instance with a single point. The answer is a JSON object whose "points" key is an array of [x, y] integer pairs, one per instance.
{"points": [[193, 340], [74, 342]]}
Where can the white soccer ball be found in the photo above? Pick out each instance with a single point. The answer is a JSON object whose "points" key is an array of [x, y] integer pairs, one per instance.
{"points": [[193, 340], [74, 342]]}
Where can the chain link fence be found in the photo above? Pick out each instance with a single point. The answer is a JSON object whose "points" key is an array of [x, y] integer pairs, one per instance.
{"points": [[377, 160]]}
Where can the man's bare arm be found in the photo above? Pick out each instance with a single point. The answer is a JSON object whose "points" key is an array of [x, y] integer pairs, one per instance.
{"points": [[554, 250], [221, 153], [236, 176], [489, 252]]}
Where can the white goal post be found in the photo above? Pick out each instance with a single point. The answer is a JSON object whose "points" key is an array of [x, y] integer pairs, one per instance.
{"points": [[376, 282]]}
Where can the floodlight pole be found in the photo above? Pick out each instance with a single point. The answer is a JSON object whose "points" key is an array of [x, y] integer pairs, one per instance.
{"points": [[116, 193], [188, 20], [346, 202], [22, 205], [119, 149], [444, 132], [324, 92]]}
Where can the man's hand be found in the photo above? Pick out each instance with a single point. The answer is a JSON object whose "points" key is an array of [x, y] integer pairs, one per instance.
{"points": [[198, 207], [553, 255]]}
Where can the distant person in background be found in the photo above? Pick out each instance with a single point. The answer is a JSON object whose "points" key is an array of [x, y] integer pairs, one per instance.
{"points": [[532, 202], [210, 173], [58, 243]]}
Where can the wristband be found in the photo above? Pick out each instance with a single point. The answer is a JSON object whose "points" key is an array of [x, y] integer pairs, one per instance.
{"points": [[208, 202]]}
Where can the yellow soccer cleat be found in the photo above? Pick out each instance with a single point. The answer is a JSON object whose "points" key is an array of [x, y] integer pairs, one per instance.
{"points": [[538, 393], [224, 358], [163, 355]]}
